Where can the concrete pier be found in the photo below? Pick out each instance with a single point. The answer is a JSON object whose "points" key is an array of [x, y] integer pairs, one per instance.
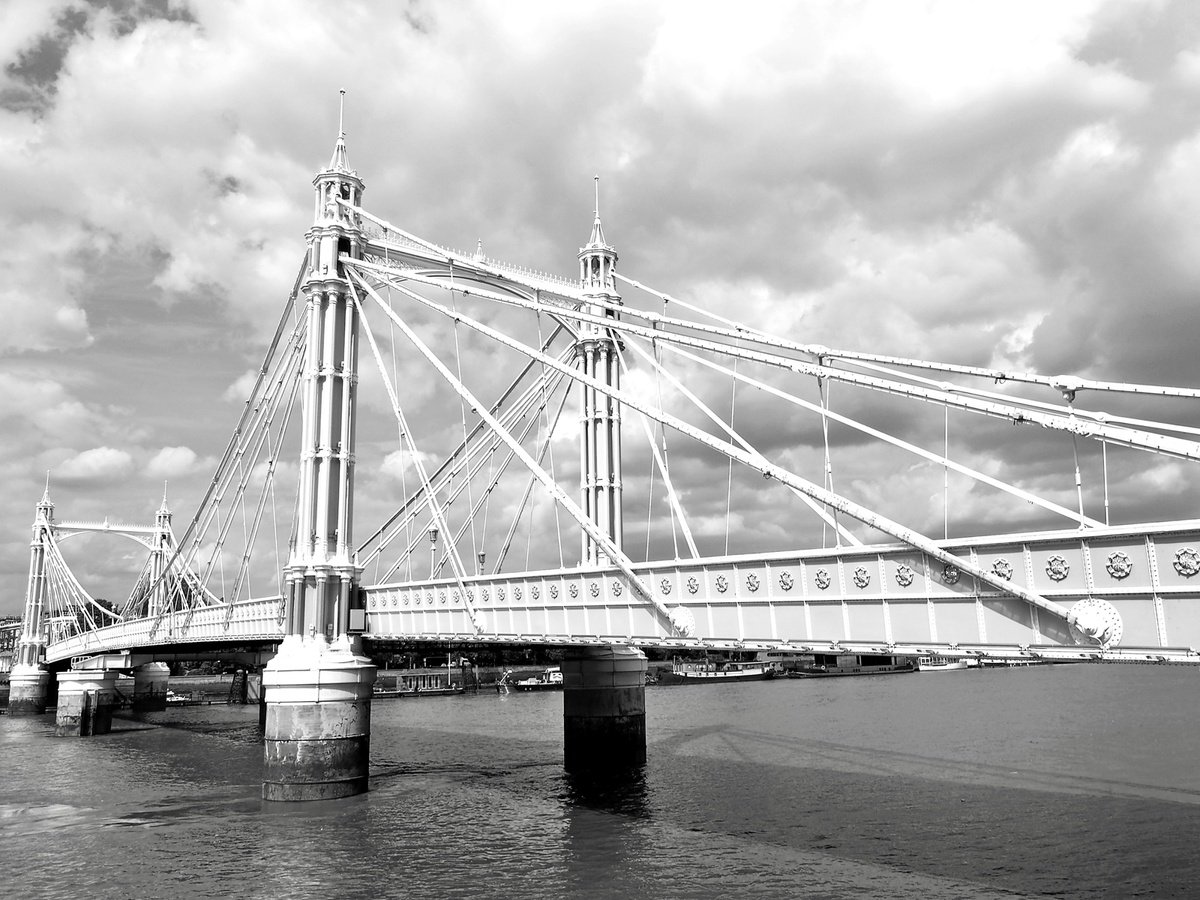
{"points": [[317, 736], [85, 703], [604, 708], [28, 690], [150, 687]]}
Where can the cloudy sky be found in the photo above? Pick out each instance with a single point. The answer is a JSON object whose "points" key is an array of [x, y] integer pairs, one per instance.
{"points": [[997, 183]]}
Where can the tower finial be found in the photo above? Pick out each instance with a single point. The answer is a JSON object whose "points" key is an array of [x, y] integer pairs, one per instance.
{"points": [[596, 178], [46, 493], [341, 111]]}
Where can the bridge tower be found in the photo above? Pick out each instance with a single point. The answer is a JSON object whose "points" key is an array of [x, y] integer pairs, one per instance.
{"points": [[29, 681], [604, 688], [160, 558], [600, 434], [318, 686]]}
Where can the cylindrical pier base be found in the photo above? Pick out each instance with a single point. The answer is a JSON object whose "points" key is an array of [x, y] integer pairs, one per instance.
{"points": [[150, 687], [28, 690], [604, 708], [317, 736], [85, 703]]}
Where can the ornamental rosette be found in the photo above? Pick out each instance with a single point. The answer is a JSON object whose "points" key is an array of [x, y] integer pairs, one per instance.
{"points": [[786, 581], [1057, 567], [1002, 568], [665, 585], [752, 582], [905, 575], [1187, 562], [950, 574], [1119, 565], [823, 580], [722, 584], [693, 585], [862, 577]]}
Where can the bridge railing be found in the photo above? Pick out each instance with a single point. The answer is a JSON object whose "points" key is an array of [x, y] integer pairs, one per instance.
{"points": [[876, 598], [256, 619]]}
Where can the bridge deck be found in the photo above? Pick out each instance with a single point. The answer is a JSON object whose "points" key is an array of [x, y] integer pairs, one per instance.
{"points": [[877, 599]]}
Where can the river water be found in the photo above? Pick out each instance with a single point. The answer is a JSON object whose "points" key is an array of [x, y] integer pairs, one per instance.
{"points": [[1062, 781]]}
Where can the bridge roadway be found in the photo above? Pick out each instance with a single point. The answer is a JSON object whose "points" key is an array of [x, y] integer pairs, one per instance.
{"points": [[870, 599]]}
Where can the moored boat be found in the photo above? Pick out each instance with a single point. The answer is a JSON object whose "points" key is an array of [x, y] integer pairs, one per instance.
{"points": [[848, 664], [549, 680], [717, 672], [942, 664]]}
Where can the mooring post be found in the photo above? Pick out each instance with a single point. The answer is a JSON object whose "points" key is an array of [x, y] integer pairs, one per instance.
{"points": [[85, 702]]}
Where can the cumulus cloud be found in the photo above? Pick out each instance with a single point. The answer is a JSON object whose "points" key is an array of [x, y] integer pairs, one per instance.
{"points": [[171, 462], [97, 464]]}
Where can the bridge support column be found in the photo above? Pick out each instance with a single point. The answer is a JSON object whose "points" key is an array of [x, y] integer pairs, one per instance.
{"points": [[150, 687], [85, 703], [28, 690], [604, 708], [317, 736]]}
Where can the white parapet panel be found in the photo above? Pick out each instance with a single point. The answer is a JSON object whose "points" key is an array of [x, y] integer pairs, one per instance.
{"points": [[871, 598]]}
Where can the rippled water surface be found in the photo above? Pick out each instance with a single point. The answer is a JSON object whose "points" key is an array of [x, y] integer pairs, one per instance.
{"points": [[1064, 781]]}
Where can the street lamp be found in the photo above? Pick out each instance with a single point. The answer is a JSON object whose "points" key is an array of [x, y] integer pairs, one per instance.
{"points": [[481, 558], [433, 536]]}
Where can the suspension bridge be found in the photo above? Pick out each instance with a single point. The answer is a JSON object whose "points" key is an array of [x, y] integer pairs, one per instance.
{"points": [[270, 573]]}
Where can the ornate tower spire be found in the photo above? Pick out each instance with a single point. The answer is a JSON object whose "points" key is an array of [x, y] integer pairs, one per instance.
{"points": [[321, 573], [596, 350]]}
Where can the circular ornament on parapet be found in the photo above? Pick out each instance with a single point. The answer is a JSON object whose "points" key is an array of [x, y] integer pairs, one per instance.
{"points": [[499, 595], [823, 580], [594, 589], [574, 589], [722, 584], [862, 577], [1057, 567], [1095, 622], [693, 585], [1119, 565], [456, 598], [554, 592], [786, 581], [950, 574], [905, 575], [752, 582], [1187, 561], [683, 620], [484, 596], [405, 601], [617, 587], [665, 586], [534, 592], [517, 592], [1002, 568], [429, 599], [442, 597]]}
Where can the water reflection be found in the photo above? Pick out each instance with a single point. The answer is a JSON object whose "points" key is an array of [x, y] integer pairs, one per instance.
{"points": [[621, 791]]}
